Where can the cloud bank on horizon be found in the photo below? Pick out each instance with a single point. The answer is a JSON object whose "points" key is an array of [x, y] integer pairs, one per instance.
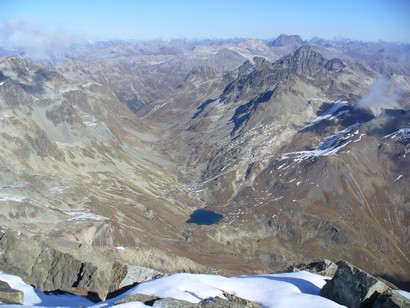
{"points": [[46, 26]]}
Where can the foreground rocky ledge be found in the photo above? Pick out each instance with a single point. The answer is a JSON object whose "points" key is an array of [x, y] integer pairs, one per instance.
{"points": [[49, 270], [352, 287]]}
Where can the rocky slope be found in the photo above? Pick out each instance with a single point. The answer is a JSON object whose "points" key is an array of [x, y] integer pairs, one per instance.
{"points": [[291, 170], [105, 156]]}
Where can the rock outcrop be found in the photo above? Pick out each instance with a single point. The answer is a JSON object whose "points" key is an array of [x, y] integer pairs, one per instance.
{"points": [[230, 301], [124, 276], [142, 298], [353, 287], [48, 269], [10, 296], [324, 268]]}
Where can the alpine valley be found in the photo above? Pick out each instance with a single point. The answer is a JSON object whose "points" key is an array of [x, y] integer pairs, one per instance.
{"points": [[301, 147]]}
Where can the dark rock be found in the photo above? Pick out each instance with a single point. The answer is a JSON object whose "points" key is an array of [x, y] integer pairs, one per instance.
{"points": [[353, 287], [391, 300], [9, 295]]}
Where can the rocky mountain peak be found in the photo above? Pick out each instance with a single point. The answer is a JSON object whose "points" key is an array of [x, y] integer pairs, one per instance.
{"points": [[283, 40], [308, 63], [306, 51]]}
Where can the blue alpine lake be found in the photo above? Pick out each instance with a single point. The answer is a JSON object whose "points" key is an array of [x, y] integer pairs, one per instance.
{"points": [[204, 217]]}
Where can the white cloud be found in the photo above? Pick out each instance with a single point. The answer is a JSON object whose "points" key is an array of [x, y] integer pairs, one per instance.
{"points": [[384, 93], [36, 40]]}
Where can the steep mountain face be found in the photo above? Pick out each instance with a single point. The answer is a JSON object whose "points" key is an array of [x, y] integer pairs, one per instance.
{"points": [[261, 101], [105, 156], [295, 174]]}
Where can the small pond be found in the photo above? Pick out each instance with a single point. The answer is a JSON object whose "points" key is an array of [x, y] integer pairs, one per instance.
{"points": [[204, 217]]}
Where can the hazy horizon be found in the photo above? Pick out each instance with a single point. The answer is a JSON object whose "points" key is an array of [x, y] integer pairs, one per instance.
{"points": [[56, 24]]}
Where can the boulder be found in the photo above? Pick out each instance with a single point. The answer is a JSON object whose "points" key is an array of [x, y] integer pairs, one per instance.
{"points": [[353, 287], [10, 296]]}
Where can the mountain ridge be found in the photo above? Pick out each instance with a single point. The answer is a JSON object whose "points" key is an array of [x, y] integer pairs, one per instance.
{"points": [[119, 150]]}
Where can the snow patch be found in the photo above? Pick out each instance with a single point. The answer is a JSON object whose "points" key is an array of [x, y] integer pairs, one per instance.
{"points": [[89, 120], [57, 189], [329, 146], [404, 293], [81, 215], [271, 290], [330, 114], [281, 166], [399, 177], [360, 138], [8, 197]]}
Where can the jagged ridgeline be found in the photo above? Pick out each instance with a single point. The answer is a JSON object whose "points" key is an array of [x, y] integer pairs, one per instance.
{"points": [[300, 149]]}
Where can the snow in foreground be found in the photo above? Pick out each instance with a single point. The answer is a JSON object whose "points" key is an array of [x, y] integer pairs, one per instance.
{"points": [[299, 289]]}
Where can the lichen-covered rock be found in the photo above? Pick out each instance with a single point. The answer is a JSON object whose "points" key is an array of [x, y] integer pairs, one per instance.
{"points": [[9, 296], [353, 287], [46, 268]]}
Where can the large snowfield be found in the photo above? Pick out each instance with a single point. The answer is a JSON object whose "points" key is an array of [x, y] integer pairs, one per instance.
{"points": [[299, 289]]}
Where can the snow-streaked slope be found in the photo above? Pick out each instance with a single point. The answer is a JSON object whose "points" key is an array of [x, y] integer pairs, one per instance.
{"points": [[330, 114], [329, 146], [271, 290], [404, 133]]}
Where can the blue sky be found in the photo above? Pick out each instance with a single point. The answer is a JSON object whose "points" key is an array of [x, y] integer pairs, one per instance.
{"points": [[369, 20]]}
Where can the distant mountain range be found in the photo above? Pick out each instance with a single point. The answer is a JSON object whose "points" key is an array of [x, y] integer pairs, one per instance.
{"points": [[302, 146]]}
